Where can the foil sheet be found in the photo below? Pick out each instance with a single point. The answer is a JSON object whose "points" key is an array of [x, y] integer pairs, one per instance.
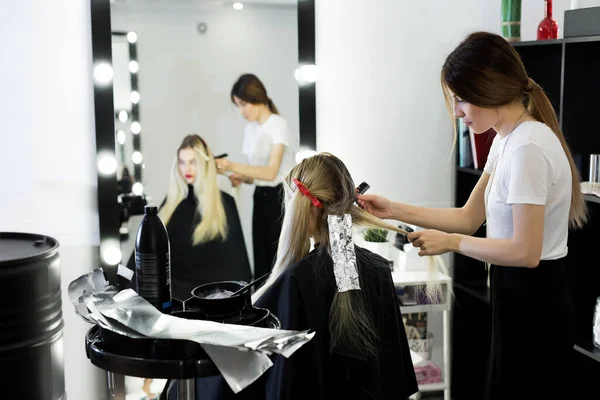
{"points": [[597, 324], [92, 282], [342, 252], [241, 353]]}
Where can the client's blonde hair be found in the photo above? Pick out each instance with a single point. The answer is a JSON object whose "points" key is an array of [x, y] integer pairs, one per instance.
{"points": [[210, 205], [328, 179]]}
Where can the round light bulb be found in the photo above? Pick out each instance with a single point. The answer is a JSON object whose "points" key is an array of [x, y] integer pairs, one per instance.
{"points": [[308, 73], [238, 6], [134, 97], [137, 189], [136, 127], [103, 73], [132, 37], [133, 66], [136, 157], [123, 116], [111, 253], [107, 164], [121, 136]]}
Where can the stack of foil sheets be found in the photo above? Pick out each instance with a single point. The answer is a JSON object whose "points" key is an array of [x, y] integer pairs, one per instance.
{"points": [[241, 353]]}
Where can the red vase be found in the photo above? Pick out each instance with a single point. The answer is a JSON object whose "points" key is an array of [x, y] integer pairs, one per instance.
{"points": [[548, 28]]}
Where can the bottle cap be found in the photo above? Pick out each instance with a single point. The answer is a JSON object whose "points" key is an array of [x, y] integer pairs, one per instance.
{"points": [[150, 210]]}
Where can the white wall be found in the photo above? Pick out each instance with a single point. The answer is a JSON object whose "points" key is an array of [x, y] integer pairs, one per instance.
{"points": [[185, 79], [380, 106], [47, 149], [532, 12]]}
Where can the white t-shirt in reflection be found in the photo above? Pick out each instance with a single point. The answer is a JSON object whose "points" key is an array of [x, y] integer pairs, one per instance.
{"points": [[259, 141], [531, 168]]}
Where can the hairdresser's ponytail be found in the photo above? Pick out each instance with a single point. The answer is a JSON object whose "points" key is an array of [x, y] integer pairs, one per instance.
{"points": [[541, 109], [271, 106]]}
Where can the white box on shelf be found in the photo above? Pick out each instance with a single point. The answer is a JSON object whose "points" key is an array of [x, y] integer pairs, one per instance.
{"points": [[414, 262]]}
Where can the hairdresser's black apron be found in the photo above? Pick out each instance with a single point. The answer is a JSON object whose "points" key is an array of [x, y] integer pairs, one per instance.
{"points": [[532, 332], [267, 218]]}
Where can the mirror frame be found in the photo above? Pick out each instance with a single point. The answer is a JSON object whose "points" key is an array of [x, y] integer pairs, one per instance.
{"points": [[104, 113]]}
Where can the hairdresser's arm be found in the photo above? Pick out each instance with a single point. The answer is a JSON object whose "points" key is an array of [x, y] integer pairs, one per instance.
{"points": [[236, 179], [466, 219], [266, 173], [524, 249]]}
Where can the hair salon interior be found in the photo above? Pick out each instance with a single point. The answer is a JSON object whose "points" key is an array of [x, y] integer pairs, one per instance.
{"points": [[243, 131]]}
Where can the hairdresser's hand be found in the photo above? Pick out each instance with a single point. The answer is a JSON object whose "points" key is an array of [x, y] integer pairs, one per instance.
{"points": [[432, 242], [241, 178], [223, 165], [376, 205], [235, 180]]}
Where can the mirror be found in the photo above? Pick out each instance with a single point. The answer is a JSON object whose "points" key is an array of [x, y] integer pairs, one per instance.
{"points": [[174, 68], [174, 107], [175, 79], [189, 55]]}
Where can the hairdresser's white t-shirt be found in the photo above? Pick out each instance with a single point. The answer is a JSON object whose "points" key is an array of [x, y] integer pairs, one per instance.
{"points": [[259, 141], [531, 168]]}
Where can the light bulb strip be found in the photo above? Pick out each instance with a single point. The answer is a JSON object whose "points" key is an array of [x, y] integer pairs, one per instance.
{"points": [[135, 111], [134, 115]]}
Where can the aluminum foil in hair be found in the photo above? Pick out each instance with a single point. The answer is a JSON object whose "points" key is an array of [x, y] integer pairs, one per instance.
{"points": [[241, 353], [342, 252]]}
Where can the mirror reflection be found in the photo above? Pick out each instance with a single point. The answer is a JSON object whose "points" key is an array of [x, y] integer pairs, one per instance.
{"points": [[212, 130], [228, 77]]}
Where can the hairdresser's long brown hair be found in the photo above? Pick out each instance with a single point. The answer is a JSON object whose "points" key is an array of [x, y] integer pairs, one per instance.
{"points": [[251, 90], [486, 71], [328, 179]]}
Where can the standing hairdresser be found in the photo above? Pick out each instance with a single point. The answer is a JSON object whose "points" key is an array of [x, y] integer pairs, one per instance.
{"points": [[529, 196]]}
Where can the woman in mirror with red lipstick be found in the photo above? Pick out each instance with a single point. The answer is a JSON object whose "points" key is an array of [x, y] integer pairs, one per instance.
{"points": [[203, 224]]}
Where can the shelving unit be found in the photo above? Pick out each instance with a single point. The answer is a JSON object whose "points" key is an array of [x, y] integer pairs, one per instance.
{"points": [[589, 351], [567, 69], [472, 171], [402, 277]]}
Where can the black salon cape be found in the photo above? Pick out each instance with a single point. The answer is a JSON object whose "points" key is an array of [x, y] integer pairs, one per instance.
{"points": [[218, 260], [301, 298]]}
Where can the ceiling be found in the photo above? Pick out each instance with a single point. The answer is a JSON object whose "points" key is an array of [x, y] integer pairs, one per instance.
{"points": [[202, 4]]}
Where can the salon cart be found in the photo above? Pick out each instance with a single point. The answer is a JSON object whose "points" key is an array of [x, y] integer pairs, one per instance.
{"points": [[178, 361]]}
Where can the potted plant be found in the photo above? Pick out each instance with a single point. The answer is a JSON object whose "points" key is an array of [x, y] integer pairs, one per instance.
{"points": [[376, 240]]}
